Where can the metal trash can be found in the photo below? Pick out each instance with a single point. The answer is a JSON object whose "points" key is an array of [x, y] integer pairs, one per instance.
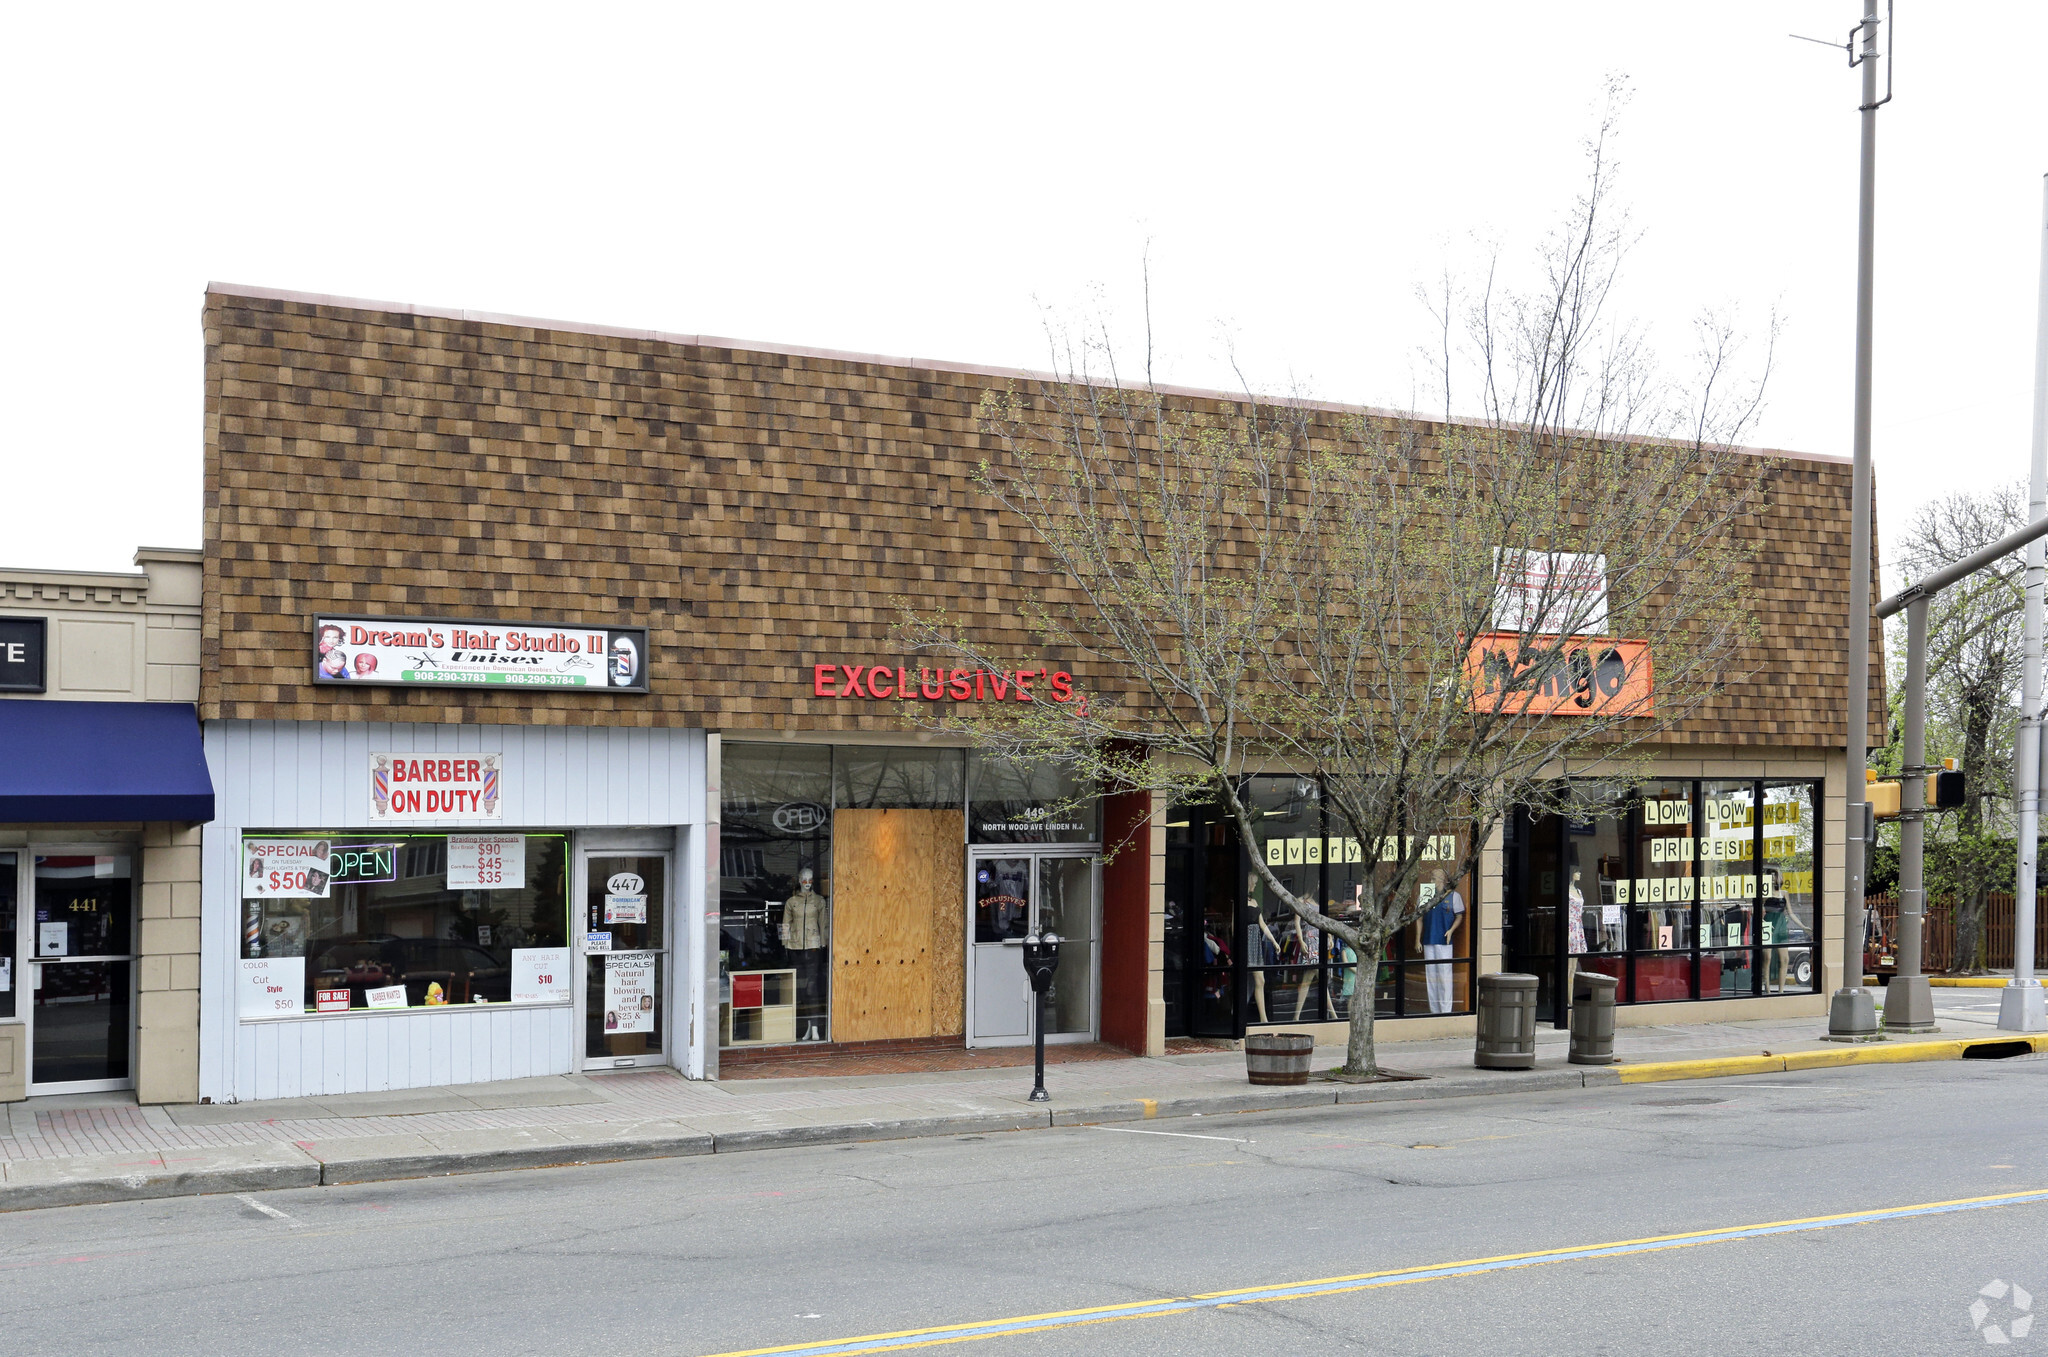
{"points": [[1593, 1018], [1507, 1022], [1278, 1057]]}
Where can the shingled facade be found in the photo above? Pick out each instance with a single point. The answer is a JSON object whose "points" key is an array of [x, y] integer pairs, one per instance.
{"points": [[762, 510]]}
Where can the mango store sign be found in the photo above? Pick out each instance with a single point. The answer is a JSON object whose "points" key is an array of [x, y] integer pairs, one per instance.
{"points": [[436, 787]]}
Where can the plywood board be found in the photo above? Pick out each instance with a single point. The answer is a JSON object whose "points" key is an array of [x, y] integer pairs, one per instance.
{"points": [[898, 912]]}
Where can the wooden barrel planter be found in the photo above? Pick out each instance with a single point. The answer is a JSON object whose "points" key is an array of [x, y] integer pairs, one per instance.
{"points": [[1278, 1057]]}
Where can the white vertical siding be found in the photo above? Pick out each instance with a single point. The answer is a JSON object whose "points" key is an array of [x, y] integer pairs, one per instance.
{"points": [[316, 775]]}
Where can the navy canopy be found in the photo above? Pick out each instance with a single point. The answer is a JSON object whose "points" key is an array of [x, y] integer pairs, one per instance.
{"points": [[70, 762]]}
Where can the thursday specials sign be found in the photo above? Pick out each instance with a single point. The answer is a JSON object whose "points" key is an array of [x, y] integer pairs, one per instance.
{"points": [[405, 650]]}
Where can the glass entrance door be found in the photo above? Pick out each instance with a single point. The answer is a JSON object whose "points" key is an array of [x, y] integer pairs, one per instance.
{"points": [[625, 947], [1014, 895], [77, 930]]}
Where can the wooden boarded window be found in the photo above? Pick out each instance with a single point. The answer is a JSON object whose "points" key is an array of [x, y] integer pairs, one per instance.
{"points": [[899, 921]]}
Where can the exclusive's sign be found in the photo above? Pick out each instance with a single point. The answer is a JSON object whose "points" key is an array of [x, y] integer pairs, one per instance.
{"points": [[436, 787], [1571, 676], [420, 651], [24, 646], [941, 685]]}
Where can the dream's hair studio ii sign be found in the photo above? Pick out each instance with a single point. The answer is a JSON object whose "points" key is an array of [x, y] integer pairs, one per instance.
{"points": [[428, 651]]}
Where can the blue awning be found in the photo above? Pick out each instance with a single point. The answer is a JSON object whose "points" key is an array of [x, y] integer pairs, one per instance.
{"points": [[71, 762]]}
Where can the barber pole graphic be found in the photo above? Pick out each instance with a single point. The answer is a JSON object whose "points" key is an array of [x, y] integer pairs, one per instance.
{"points": [[380, 785], [491, 790]]}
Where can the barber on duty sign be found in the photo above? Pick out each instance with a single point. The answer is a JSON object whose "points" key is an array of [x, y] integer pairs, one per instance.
{"points": [[437, 787]]}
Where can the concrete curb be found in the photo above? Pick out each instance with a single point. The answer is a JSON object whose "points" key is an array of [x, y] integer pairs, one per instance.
{"points": [[89, 1179], [1875, 1053], [33, 1184], [1973, 981]]}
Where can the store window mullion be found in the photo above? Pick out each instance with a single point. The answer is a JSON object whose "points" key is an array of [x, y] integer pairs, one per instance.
{"points": [[1756, 905]]}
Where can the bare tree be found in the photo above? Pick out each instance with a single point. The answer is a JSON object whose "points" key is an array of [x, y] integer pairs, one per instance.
{"points": [[1973, 674], [1433, 622]]}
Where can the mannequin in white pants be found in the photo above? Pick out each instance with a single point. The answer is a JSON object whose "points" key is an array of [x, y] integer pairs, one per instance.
{"points": [[1439, 930]]}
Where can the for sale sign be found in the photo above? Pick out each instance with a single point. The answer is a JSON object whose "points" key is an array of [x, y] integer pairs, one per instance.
{"points": [[407, 650], [436, 787]]}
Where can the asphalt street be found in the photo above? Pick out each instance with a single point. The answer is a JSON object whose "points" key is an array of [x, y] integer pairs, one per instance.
{"points": [[816, 1247]]}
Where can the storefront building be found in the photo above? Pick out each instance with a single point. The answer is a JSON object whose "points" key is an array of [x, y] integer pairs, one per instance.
{"points": [[102, 792], [553, 691]]}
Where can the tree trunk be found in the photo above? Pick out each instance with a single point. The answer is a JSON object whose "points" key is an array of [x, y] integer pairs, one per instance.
{"points": [[1361, 1057], [1969, 932]]}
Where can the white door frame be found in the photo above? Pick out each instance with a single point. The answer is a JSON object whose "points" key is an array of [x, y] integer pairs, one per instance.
{"points": [[27, 980], [978, 853], [587, 844]]}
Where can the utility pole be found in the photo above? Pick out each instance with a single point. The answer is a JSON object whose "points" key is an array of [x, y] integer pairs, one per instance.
{"points": [[2022, 1006], [1852, 1014]]}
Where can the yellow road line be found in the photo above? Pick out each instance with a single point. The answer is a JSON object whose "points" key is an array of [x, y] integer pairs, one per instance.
{"points": [[1104, 1314]]}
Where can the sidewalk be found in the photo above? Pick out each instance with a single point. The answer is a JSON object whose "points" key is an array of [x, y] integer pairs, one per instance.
{"points": [[104, 1148]]}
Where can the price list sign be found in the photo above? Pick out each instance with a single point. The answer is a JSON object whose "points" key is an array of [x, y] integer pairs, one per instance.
{"points": [[486, 862]]}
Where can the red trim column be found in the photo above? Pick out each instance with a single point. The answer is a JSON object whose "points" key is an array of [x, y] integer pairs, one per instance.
{"points": [[1127, 942]]}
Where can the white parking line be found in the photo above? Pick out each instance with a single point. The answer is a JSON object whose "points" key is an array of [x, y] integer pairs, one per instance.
{"points": [[1184, 1135], [267, 1210]]}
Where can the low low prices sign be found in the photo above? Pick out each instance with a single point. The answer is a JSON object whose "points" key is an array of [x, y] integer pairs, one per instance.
{"points": [[436, 787], [407, 650]]}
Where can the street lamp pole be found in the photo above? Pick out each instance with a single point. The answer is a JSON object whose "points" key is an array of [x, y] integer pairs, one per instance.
{"points": [[1852, 1015], [2021, 1006]]}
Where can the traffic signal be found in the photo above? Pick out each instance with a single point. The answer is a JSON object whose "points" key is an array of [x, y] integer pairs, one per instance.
{"points": [[1882, 797], [1948, 790]]}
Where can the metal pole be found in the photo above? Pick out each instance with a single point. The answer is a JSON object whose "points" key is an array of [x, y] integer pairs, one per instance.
{"points": [[1038, 1093], [1852, 1014], [1908, 1002], [2021, 1006]]}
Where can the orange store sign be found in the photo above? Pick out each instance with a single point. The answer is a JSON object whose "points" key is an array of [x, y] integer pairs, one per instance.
{"points": [[1559, 676]]}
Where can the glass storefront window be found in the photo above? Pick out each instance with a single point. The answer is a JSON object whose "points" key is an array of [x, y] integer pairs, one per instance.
{"points": [[403, 920], [10, 890], [1715, 880], [1014, 802], [869, 777], [1282, 953], [775, 878], [1789, 887]]}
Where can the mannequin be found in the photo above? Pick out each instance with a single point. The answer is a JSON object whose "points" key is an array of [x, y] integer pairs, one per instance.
{"points": [[1439, 928], [807, 937], [1575, 930], [1261, 948]]}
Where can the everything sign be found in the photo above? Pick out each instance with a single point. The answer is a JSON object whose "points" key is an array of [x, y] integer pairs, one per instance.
{"points": [[404, 650]]}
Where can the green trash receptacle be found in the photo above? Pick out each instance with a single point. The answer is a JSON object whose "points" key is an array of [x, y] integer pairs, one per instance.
{"points": [[1593, 1018], [1507, 1022]]}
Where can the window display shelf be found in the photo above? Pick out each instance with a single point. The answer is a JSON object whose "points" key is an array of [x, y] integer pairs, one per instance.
{"points": [[762, 1010]]}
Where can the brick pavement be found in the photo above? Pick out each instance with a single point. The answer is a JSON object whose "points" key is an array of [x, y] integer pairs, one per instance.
{"points": [[98, 1125]]}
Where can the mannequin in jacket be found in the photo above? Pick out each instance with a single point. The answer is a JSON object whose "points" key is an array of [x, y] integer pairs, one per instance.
{"points": [[807, 936]]}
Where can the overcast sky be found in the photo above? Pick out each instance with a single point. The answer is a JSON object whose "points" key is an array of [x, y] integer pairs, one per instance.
{"points": [[934, 181]]}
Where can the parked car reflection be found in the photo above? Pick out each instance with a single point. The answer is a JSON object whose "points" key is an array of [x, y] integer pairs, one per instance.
{"points": [[465, 972]]}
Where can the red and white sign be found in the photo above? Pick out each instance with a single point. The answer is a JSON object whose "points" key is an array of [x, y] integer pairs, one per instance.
{"points": [[486, 862], [540, 975], [287, 869], [330, 1001], [436, 787]]}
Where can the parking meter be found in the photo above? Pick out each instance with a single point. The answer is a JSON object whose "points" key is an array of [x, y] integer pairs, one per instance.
{"points": [[1041, 960]]}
